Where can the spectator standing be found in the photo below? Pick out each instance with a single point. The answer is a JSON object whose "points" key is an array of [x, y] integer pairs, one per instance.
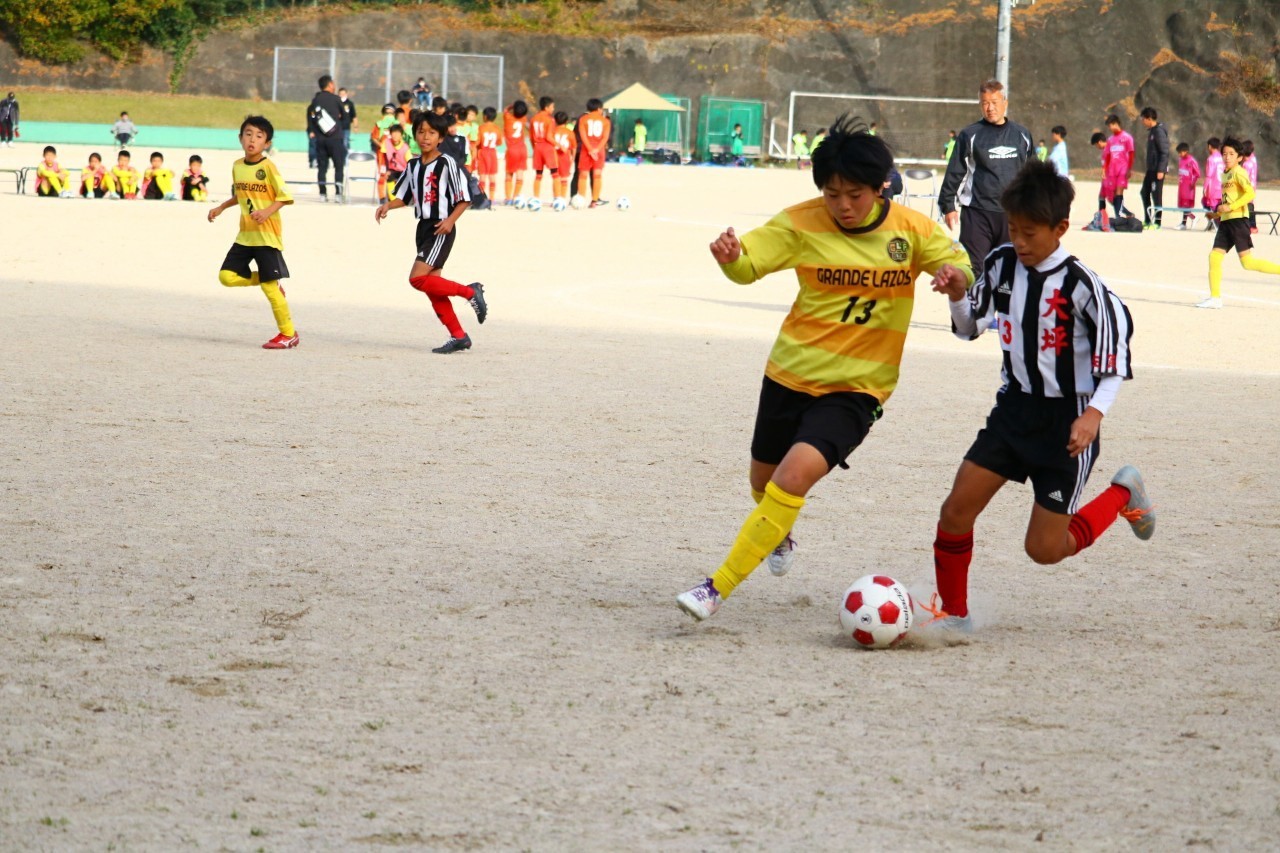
{"points": [[1058, 154], [8, 120], [349, 120], [987, 156], [950, 146], [124, 130], [324, 125], [1157, 166]]}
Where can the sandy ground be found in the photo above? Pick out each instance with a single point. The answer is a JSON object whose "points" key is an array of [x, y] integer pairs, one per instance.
{"points": [[357, 596]]}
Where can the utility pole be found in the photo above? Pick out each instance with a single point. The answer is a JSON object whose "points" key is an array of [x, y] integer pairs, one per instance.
{"points": [[1003, 26]]}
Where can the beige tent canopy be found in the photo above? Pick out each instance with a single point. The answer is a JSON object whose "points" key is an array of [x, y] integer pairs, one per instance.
{"points": [[637, 97]]}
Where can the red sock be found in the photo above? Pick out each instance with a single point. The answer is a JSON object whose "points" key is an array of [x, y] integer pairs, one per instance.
{"points": [[434, 285], [952, 553], [444, 310], [1097, 515]]}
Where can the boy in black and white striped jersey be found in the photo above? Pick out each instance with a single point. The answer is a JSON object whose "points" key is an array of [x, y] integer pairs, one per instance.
{"points": [[436, 187], [1065, 342]]}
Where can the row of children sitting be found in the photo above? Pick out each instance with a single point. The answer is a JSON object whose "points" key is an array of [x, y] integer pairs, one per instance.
{"points": [[122, 180]]}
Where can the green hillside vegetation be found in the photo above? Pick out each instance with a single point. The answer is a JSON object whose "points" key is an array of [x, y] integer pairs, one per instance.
{"points": [[155, 109]]}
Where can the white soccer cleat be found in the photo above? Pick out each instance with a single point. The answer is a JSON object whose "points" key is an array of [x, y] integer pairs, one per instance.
{"points": [[1139, 511], [701, 602], [782, 558], [1211, 302]]}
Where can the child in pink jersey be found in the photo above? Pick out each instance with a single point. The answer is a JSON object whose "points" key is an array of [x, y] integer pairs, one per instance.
{"points": [[1188, 175], [1249, 163], [1117, 163], [1213, 169]]}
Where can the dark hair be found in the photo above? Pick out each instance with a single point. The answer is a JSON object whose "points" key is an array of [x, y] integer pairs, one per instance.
{"points": [[397, 126], [1182, 148], [460, 112], [852, 153], [155, 154], [342, 88], [1246, 148], [404, 96], [49, 149], [1113, 119], [454, 105], [194, 158], [545, 101], [490, 113], [1214, 142], [324, 81], [435, 121], [519, 109], [1038, 193], [472, 108], [1060, 130], [560, 117], [261, 123], [125, 154], [437, 102], [96, 156], [639, 121], [1148, 112], [594, 104], [1096, 138], [1232, 143], [124, 113]]}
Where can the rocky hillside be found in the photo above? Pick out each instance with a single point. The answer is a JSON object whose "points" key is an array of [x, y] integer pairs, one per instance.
{"points": [[1207, 67]]}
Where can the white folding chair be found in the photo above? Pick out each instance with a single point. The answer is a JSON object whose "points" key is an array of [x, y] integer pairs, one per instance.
{"points": [[919, 176]]}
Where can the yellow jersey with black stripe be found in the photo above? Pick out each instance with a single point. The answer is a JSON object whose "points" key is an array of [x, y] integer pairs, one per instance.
{"points": [[257, 186], [848, 326], [1237, 192]]}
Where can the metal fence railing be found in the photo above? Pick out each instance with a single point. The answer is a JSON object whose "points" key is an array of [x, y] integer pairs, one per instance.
{"points": [[376, 75]]}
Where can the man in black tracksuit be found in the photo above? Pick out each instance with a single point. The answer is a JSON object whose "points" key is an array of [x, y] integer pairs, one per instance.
{"points": [[987, 156], [324, 125], [1157, 166]]}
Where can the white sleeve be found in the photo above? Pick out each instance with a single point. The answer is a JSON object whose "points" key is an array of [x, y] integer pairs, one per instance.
{"points": [[963, 323], [1105, 394]]}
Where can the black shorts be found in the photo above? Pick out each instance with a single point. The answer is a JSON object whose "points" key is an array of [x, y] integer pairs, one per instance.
{"points": [[433, 248], [1233, 233], [270, 261], [834, 423], [1026, 437]]}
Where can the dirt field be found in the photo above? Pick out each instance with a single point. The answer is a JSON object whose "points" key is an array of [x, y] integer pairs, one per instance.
{"points": [[357, 595]]}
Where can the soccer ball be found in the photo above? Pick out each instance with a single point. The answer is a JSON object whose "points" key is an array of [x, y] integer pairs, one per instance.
{"points": [[876, 610], [534, 205], [578, 201], [520, 203], [624, 203], [559, 205]]}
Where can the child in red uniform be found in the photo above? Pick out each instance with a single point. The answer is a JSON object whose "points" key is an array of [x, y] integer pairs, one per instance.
{"points": [[488, 135], [541, 129], [593, 130], [565, 142], [515, 128], [435, 185]]}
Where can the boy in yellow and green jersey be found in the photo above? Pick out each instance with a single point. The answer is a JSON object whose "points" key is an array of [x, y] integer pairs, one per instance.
{"points": [[1233, 224], [259, 190], [836, 359]]}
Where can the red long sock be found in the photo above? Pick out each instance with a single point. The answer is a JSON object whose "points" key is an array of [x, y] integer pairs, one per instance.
{"points": [[1097, 515], [444, 310], [435, 285], [952, 553]]}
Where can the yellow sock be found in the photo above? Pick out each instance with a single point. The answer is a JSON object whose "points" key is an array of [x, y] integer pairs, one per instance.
{"points": [[279, 306], [763, 530], [1250, 262], [1215, 274], [757, 496], [230, 278]]}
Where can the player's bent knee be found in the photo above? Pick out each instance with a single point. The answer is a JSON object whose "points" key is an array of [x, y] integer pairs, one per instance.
{"points": [[1045, 554], [230, 278]]}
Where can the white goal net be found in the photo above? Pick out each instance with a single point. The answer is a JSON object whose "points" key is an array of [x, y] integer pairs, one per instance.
{"points": [[916, 129]]}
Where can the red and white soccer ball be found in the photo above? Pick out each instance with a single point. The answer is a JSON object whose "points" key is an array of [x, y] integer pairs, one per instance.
{"points": [[877, 611]]}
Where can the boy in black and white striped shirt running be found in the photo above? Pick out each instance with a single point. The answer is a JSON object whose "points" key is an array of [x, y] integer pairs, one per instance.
{"points": [[1065, 341], [436, 188]]}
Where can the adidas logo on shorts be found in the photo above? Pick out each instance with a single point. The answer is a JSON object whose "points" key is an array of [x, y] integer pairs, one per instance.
{"points": [[1056, 495]]}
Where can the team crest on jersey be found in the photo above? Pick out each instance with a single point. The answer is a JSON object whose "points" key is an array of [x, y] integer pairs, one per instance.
{"points": [[261, 174], [898, 249]]}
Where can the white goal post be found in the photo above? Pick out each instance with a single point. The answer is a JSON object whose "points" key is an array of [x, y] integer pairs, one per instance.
{"points": [[915, 128]]}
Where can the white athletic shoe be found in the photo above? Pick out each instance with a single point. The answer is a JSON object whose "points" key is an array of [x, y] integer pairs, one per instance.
{"points": [[701, 602], [67, 194], [1211, 302], [1139, 511], [781, 559]]}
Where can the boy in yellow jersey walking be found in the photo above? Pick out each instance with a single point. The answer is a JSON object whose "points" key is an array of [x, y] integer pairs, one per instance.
{"points": [[836, 358], [1233, 224], [260, 192]]}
